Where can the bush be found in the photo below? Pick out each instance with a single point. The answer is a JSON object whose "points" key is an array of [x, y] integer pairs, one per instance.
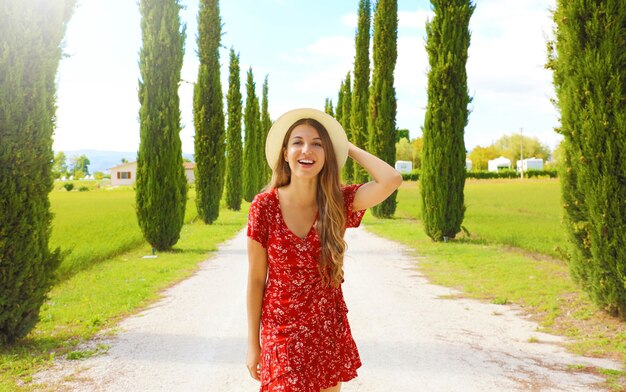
{"points": [[68, 186], [484, 175], [83, 189], [414, 175]]}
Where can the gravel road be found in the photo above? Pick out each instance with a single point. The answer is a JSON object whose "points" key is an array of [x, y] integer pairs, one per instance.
{"points": [[411, 335]]}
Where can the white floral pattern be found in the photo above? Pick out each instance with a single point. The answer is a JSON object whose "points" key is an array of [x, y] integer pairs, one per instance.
{"points": [[306, 343]]}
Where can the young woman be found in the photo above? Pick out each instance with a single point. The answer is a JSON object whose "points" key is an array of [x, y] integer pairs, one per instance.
{"points": [[299, 339]]}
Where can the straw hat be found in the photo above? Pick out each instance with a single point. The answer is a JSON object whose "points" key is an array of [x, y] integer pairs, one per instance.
{"points": [[276, 134]]}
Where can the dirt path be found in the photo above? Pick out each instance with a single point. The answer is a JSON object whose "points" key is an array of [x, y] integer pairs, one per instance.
{"points": [[410, 337]]}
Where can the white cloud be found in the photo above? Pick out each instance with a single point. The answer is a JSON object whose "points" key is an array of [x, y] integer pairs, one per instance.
{"points": [[350, 20], [414, 19]]}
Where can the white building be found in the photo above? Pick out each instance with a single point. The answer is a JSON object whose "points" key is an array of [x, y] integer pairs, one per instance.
{"points": [[468, 165], [126, 173], [404, 167], [530, 164], [500, 163]]}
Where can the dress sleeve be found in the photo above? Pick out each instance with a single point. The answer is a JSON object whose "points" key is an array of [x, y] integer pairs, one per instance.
{"points": [[257, 221], [353, 218]]}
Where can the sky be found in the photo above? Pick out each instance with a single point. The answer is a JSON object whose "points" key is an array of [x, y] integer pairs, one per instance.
{"points": [[306, 49]]}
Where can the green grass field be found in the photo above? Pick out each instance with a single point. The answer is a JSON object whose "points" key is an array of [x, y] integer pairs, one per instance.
{"points": [[105, 277], [510, 257], [96, 225]]}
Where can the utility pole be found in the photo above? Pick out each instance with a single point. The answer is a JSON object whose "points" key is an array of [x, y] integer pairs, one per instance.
{"points": [[521, 153]]}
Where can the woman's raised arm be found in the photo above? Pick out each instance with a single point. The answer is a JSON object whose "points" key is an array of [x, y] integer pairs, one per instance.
{"points": [[386, 179]]}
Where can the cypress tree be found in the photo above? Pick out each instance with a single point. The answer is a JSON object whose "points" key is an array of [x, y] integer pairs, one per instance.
{"points": [[590, 82], [253, 150], [328, 107], [208, 115], [344, 106], [360, 92], [234, 146], [161, 185], [443, 165], [382, 104], [266, 124], [30, 36]]}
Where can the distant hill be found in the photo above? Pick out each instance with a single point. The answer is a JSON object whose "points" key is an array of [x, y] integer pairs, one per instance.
{"points": [[104, 160]]}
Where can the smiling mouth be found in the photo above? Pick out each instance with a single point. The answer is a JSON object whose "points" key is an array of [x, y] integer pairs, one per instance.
{"points": [[306, 162]]}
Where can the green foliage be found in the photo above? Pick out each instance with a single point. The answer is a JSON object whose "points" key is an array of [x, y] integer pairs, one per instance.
{"points": [[31, 32], [484, 174], [208, 114], [404, 150], [266, 124], [418, 148], [508, 146], [360, 91], [68, 186], [59, 167], [382, 100], [480, 157], [589, 64], [328, 107], [233, 135], [79, 164], [443, 164], [83, 189], [402, 134], [344, 111], [253, 150], [161, 183]]}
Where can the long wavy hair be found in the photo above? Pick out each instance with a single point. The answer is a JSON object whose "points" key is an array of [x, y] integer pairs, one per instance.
{"points": [[330, 207]]}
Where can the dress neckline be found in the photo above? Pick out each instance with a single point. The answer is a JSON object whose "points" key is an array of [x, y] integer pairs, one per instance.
{"points": [[282, 219]]}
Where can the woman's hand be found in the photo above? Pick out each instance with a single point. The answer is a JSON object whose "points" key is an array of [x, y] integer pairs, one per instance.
{"points": [[253, 361]]}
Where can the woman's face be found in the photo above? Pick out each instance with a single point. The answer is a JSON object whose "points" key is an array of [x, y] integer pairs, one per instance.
{"points": [[305, 152]]}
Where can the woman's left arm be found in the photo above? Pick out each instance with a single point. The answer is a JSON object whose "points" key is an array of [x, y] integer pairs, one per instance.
{"points": [[386, 179]]}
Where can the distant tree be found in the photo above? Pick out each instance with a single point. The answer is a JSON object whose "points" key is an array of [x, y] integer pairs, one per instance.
{"points": [[480, 157], [418, 148], [345, 108], [360, 91], [266, 124], [443, 166], [80, 164], [590, 82], [233, 136], [98, 175], [161, 185], [59, 167], [31, 32], [253, 152], [509, 147], [208, 114], [328, 107], [402, 133], [382, 104], [124, 160], [404, 150]]}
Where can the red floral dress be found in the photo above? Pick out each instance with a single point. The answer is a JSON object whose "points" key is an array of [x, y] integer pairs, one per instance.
{"points": [[306, 343]]}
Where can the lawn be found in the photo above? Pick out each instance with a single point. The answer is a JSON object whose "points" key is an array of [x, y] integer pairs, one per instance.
{"points": [[105, 277], [511, 257]]}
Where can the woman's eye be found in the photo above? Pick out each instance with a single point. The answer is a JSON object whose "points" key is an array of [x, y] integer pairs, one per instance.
{"points": [[318, 144]]}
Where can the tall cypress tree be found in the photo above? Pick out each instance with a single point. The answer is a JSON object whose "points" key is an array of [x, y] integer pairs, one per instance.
{"points": [[266, 124], [590, 82], [30, 36], [360, 92], [233, 139], [253, 150], [443, 160], [208, 114], [328, 107], [382, 104], [344, 106], [161, 186]]}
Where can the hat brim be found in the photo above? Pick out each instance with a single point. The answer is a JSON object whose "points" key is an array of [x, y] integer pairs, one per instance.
{"points": [[276, 134]]}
